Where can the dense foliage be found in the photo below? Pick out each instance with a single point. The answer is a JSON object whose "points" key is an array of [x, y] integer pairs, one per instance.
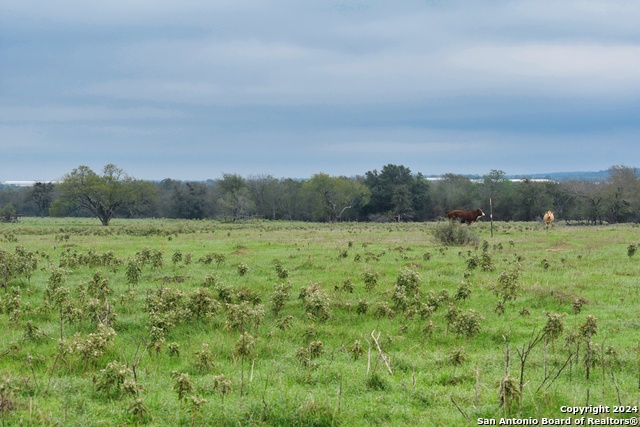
{"points": [[393, 194]]}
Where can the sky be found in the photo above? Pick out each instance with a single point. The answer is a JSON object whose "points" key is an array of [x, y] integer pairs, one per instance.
{"points": [[195, 89]]}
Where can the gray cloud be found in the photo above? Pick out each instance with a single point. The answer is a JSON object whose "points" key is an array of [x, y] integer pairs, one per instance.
{"points": [[188, 90]]}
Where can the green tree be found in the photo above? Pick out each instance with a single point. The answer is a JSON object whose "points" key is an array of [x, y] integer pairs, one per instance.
{"points": [[42, 195], [235, 199], [102, 196], [455, 192], [421, 198], [188, 199], [265, 194], [291, 199], [590, 196], [330, 197], [621, 194], [396, 193]]}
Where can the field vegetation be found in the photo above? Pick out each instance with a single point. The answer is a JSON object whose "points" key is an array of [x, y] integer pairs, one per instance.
{"points": [[181, 323]]}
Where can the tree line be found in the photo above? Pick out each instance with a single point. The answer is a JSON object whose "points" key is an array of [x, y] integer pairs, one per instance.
{"points": [[394, 193]]}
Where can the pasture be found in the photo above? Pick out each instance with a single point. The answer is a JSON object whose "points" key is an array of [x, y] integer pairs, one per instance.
{"points": [[282, 323]]}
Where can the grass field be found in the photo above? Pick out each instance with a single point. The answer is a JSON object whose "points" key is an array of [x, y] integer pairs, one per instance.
{"points": [[169, 323]]}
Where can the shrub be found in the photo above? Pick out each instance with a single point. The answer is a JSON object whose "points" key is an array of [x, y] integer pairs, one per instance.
{"points": [[452, 234]]}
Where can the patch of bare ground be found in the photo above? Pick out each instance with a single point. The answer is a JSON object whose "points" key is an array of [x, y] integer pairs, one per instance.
{"points": [[559, 247]]}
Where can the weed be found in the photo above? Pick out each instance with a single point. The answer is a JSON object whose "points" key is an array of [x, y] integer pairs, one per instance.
{"points": [[182, 385]]}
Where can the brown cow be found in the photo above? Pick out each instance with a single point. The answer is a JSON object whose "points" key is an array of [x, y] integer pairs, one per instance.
{"points": [[548, 218], [465, 216]]}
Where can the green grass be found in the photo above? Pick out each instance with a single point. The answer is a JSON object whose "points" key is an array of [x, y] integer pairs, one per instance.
{"points": [[279, 382]]}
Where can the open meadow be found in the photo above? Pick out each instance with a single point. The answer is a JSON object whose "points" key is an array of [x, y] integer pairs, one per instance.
{"points": [[181, 323]]}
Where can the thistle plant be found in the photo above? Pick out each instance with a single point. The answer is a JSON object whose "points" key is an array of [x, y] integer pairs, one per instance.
{"points": [[284, 323], [210, 280], [457, 356], [409, 280], [133, 271], [508, 285], [316, 302], [112, 377], [240, 316], [280, 296], [509, 393], [140, 411], [356, 350], [99, 286], [12, 304], [587, 330], [554, 327], [204, 360], [282, 272], [245, 346], [370, 278], [242, 268], [196, 407], [176, 258], [463, 291], [173, 349], [362, 307], [467, 323], [222, 385], [202, 304], [182, 385]]}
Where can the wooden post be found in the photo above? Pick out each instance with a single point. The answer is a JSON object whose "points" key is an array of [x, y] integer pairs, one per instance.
{"points": [[491, 214]]}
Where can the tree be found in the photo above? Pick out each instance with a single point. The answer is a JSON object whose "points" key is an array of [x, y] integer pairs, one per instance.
{"points": [[591, 196], [42, 195], [188, 199], [330, 197], [264, 190], [621, 194], [102, 196], [292, 200], [421, 198], [455, 192], [234, 198], [395, 192]]}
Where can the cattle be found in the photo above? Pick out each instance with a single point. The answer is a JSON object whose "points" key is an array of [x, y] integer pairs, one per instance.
{"points": [[548, 218], [465, 216]]}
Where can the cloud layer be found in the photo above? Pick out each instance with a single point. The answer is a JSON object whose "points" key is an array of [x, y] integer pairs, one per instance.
{"points": [[190, 90]]}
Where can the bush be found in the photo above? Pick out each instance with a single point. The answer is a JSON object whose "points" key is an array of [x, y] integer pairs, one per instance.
{"points": [[452, 234]]}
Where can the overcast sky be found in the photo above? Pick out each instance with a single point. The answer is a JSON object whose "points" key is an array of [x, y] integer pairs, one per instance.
{"points": [[193, 89]]}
